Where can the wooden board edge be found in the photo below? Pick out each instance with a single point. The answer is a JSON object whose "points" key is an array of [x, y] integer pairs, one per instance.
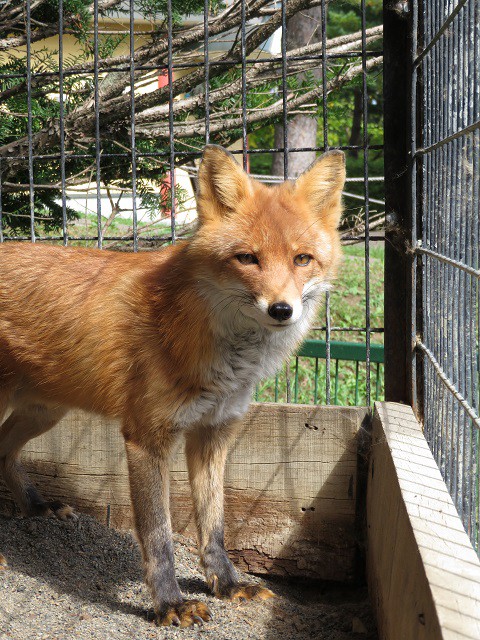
{"points": [[423, 573]]}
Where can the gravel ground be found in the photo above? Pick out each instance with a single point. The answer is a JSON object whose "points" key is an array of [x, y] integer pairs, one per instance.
{"points": [[82, 580]]}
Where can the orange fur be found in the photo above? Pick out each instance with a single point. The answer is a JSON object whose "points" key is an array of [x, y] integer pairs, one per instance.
{"points": [[160, 339]]}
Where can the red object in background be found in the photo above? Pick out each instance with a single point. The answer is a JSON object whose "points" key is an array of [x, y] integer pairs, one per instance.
{"points": [[163, 79], [166, 195], [166, 184]]}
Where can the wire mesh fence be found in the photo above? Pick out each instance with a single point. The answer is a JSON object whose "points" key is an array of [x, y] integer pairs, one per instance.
{"points": [[303, 380], [445, 185], [106, 106]]}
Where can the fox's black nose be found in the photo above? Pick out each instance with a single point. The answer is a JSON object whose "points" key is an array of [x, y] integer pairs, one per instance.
{"points": [[280, 311]]}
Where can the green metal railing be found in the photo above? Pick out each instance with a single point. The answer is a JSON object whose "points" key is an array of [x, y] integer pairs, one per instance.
{"points": [[304, 378]]}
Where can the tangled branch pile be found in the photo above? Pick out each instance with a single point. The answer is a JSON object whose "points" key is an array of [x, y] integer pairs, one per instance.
{"points": [[70, 124]]}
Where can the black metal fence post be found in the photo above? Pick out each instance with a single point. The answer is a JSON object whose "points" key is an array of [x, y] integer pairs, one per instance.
{"points": [[398, 236]]}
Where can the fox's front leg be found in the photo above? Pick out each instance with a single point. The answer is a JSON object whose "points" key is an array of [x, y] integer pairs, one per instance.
{"points": [[206, 450], [149, 489]]}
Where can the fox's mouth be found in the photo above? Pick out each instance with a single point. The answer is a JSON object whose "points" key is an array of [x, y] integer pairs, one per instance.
{"points": [[254, 313], [281, 325], [278, 327], [260, 311]]}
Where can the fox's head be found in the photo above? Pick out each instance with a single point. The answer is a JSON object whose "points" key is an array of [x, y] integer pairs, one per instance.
{"points": [[269, 251]]}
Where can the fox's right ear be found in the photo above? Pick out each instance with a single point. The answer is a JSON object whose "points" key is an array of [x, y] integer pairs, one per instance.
{"points": [[222, 183], [321, 186]]}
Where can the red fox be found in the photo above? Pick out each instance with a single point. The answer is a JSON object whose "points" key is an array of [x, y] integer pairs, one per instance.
{"points": [[172, 343]]}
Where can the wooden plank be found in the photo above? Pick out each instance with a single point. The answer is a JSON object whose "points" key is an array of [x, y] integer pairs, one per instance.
{"points": [[290, 485], [423, 574]]}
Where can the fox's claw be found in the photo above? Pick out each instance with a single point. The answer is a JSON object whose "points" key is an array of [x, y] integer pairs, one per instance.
{"points": [[242, 591], [250, 592], [186, 614]]}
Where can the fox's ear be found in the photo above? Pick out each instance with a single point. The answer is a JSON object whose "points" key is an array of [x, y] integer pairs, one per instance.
{"points": [[321, 186], [222, 183]]}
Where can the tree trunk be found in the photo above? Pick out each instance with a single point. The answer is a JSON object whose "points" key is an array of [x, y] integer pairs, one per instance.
{"points": [[304, 28]]}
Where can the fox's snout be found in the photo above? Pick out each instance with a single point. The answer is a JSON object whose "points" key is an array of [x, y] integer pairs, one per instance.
{"points": [[280, 311]]}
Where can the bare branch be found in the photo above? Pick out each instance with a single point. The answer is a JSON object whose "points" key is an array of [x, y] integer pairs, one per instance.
{"points": [[151, 108], [197, 127], [105, 5], [10, 17], [266, 71], [45, 31]]}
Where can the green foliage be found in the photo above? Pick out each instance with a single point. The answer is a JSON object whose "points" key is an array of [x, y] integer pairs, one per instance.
{"points": [[47, 211], [76, 14], [159, 203], [155, 9], [304, 382], [345, 16], [348, 299], [45, 107]]}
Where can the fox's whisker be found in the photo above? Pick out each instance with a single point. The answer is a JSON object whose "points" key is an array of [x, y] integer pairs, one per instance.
{"points": [[222, 300]]}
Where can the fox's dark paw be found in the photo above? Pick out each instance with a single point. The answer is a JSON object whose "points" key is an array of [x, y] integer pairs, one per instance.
{"points": [[241, 591], [186, 614], [62, 511], [57, 509]]}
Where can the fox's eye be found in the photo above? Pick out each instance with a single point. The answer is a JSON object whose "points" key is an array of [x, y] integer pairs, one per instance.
{"points": [[302, 259], [247, 258]]}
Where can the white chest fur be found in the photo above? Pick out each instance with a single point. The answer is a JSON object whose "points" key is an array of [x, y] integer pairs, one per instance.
{"points": [[243, 359]]}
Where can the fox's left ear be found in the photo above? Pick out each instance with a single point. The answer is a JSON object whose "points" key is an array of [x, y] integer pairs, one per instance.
{"points": [[222, 183], [321, 186]]}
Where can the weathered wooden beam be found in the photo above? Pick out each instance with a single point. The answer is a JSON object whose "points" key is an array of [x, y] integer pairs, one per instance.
{"points": [[290, 485], [423, 574]]}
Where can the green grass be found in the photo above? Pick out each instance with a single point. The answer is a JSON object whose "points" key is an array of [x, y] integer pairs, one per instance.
{"points": [[348, 299], [347, 309], [86, 226]]}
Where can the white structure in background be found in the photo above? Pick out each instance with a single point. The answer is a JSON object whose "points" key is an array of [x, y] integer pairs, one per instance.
{"points": [[84, 201]]}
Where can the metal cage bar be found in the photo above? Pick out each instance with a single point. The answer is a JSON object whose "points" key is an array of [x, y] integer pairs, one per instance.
{"points": [[96, 80]]}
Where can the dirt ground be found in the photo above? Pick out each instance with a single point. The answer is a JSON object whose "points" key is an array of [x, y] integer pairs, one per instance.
{"points": [[81, 580]]}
